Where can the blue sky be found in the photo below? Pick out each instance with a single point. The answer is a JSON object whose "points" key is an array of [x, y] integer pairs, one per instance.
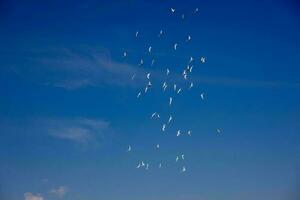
{"points": [[68, 107]]}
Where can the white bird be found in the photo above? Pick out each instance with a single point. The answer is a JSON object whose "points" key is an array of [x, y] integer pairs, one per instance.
{"points": [[177, 158], [185, 76], [129, 148], [141, 62], [168, 71], [202, 96], [175, 46], [136, 33], [163, 127], [158, 116], [159, 166], [133, 76], [172, 10], [152, 62], [174, 87], [157, 146], [179, 90], [148, 75], [146, 89], [191, 68], [196, 10], [191, 59], [182, 156], [170, 119], [219, 130], [183, 169], [191, 85], [189, 38], [138, 95], [189, 133], [160, 33], [139, 165], [142, 164], [202, 59], [170, 101], [178, 133], [147, 166], [164, 86], [125, 54], [149, 83], [150, 49], [153, 114]]}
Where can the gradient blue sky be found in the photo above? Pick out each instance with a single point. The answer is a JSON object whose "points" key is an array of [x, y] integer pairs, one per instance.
{"points": [[68, 108]]}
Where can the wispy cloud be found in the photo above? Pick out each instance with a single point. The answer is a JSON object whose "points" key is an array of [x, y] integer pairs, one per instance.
{"points": [[60, 191], [30, 196], [79, 130]]}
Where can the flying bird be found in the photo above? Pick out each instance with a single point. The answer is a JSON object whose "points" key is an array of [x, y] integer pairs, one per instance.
{"points": [[189, 133], [170, 101], [129, 148], [177, 158], [182, 16], [148, 75], [152, 62], [170, 119], [125, 54], [172, 10], [138, 95], [202, 59], [202, 96], [183, 169], [191, 85], [174, 87], [191, 59], [160, 33], [150, 49], [141, 62], [182, 156], [136, 33], [168, 71], [133, 76], [189, 38], [179, 90], [219, 130], [153, 114], [178, 133], [196, 10], [163, 127], [157, 146], [159, 166], [175, 46]]}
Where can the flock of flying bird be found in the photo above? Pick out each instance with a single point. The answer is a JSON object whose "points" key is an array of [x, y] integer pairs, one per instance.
{"points": [[185, 74]]}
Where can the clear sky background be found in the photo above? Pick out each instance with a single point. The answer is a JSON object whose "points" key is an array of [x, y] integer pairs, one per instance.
{"points": [[68, 108]]}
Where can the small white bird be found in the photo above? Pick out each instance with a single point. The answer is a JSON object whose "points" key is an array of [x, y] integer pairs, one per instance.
{"points": [[148, 75], [129, 148], [219, 130], [133, 76], [158, 116], [138, 95], [168, 71], [139, 165], [172, 10], [191, 68], [202, 96], [178, 133], [159, 166], [202, 59], [141, 62], [164, 86], [149, 83], [125, 54], [175, 46], [153, 114], [136, 33], [152, 62], [157, 146], [185, 76], [146, 89], [163, 127], [160, 33], [170, 101], [142, 164], [191, 85], [177, 158], [189, 38], [179, 90], [150, 49], [170, 119], [196, 10], [147, 166], [174, 87], [189, 133], [191, 59], [182, 156], [183, 169]]}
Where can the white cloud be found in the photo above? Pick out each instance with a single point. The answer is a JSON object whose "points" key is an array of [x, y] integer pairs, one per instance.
{"points": [[30, 196], [79, 130], [60, 191]]}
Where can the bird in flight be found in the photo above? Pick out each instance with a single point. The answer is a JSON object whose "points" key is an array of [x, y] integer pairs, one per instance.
{"points": [[178, 133], [168, 71], [202, 96], [170, 101], [183, 169], [170, 119], [172, 10], [202, 59], [138, 95], [163, 127], [175, 46], [136, 33], [150, 49], [189, 133], [129, 148]]}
